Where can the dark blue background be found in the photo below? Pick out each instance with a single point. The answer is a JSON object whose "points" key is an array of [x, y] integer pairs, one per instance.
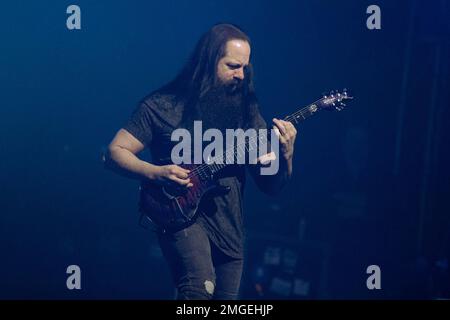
{"points": [[371, 183]]}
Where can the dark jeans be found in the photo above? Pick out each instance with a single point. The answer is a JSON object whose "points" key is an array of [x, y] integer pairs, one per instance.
{"points": [[199, 269]]}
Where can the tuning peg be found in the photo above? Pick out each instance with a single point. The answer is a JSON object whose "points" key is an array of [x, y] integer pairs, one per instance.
{"points": [[340, 107]]}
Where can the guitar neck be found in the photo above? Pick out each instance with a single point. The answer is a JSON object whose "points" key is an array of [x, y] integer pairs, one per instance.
{"points": [[302, 114], [242, 148]]}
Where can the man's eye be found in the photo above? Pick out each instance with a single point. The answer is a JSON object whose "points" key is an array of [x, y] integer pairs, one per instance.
{"points": [[233, 66]]}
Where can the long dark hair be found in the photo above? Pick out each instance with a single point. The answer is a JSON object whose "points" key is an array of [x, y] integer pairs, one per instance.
{"points": [[198, 76]]}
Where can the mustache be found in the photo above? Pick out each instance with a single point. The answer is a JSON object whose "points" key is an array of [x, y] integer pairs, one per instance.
{"points": [[235, 85]]}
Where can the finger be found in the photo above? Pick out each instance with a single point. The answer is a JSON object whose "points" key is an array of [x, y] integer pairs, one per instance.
{"points": [[280, 126], [290, 127], [265, 159], [183, 182], [181, 173], [290, 135], [280, 137], [277, 132], [182, 169], [283, 140]]}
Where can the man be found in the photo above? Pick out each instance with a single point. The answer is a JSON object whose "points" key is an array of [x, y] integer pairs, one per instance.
{"points": [[216, 87]]}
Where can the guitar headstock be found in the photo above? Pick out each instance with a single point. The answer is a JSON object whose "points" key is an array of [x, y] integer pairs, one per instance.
{"points": [[335, 100]]}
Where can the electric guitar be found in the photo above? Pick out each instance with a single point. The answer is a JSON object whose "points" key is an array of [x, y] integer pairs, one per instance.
{"points": [[175, 207]]}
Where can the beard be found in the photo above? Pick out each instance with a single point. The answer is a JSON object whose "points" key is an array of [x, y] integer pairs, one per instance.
{"points": [[222, 107], [234, 86]]}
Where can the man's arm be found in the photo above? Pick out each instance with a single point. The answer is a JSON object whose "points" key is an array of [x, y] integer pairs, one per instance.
{"points": [[121, 158]]}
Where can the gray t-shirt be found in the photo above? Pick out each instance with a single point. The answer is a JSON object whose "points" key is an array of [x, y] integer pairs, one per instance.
{"points": [[152, 123]]}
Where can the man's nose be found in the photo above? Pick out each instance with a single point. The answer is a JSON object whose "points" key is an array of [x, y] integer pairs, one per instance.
{"points": [[239, 74]]}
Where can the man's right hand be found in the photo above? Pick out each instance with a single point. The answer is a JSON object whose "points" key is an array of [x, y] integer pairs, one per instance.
{"points": [[172, 174]]}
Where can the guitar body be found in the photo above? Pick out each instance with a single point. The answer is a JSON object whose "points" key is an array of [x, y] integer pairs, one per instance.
{"points": [[173, 208]]}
